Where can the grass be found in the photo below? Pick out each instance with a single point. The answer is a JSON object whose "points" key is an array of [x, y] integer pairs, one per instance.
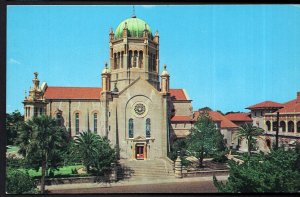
{"points": [[12, 149], [66, 170]]}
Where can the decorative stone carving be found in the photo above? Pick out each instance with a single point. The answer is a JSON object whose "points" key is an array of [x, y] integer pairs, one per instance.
{"points": [[139, 109]]}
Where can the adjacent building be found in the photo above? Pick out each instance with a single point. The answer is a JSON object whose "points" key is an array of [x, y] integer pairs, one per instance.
{"points": [[264, 115]]}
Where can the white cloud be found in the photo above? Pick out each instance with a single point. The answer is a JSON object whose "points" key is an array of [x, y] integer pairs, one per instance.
{"points": [[13, 61]]}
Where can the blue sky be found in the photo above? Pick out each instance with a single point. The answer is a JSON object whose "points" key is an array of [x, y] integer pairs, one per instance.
{"points": [[227, 57]]}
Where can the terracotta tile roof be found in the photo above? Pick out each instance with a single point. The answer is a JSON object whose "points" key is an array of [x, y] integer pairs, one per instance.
{"points": [[266, 104], [181, 118], [72, 93], [217, 117], [291, 106], [178, 94], [243, 117]]}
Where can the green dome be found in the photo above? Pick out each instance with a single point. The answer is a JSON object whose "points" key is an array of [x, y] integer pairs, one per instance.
{"points": [[135, 28]]}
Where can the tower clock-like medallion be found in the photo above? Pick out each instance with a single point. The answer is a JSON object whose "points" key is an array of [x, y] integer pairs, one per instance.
{"points": [[139, 109]]}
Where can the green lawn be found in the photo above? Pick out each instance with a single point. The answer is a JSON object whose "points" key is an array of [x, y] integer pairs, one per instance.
{"points": [[66, 170], [12, 149]]}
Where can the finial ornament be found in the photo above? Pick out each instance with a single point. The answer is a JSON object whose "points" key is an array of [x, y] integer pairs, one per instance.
{"points": [[165, 67], [106, 65], [36, 75]]}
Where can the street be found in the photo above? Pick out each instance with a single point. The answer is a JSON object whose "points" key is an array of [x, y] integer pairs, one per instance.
{"points": [[177, 187]]}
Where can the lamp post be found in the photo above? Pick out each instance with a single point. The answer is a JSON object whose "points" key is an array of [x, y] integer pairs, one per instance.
{"points": [[277, 129]]}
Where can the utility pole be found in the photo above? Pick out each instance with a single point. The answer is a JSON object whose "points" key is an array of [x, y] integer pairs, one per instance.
{"points": [[277, 129]]}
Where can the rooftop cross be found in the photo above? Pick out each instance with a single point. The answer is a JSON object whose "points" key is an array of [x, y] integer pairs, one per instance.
{"points": [[133, 12]]}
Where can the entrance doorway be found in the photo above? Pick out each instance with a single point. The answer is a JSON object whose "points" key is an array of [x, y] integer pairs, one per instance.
{"points": [[139, 151]]}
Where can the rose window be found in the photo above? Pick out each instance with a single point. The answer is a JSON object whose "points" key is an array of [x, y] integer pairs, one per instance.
{"points": [[139, 109]]}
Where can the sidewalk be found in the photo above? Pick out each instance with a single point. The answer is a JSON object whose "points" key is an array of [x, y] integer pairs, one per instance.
{"points": [[134, 181]]}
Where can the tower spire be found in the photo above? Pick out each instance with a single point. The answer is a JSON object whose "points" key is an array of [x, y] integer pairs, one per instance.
{"points": [[133, 12]]}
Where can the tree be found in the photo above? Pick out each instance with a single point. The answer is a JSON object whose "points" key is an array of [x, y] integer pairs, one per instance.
{"points": [[204, 138], [178, 145], [13, 121], [106, 155], [250, 133], [40, 140], [254, 175], [94, 151], [86, 148], [205, 109]]}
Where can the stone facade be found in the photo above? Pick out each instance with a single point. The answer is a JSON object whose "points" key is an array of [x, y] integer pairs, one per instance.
{"points": [[133, 108]]}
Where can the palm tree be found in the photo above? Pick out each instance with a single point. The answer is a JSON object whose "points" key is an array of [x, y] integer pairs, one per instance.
{"points": [[86, 147], [250, 133], [39, 141]]}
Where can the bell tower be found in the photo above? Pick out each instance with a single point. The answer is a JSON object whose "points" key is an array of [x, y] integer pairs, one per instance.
{"points": [[134, 53], [34, 103]]}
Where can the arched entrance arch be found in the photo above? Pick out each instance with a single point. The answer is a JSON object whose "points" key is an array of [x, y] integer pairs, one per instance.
{"points": [[291, 126]]}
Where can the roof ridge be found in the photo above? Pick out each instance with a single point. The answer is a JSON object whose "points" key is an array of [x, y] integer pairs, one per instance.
{"points": [[71, 87]]}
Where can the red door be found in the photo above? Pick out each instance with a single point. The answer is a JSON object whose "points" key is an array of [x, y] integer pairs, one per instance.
{"points": [[139, 152]]}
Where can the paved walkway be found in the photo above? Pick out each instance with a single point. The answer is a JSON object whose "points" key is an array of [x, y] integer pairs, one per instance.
{"points": [[134, 181]]}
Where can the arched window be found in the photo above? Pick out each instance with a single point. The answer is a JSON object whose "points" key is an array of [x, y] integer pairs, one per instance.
{"points": [[130, 128], [122, 54], [95, 122], [58, 119], [275, 125], [77, 123], [291, 126], [118, 60], [130, 59], [148, 128], [134, 58], [115, 60], [298, 126], [282, 125], [154, 62], [268, 125], [150, 63], [141, 59], [41, 111]]}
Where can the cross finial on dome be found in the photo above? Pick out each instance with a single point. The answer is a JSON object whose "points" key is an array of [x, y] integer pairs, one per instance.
{"points": [[133, 12]]}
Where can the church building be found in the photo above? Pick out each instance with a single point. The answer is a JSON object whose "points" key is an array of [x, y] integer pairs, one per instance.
{"points": [[134, 107]]}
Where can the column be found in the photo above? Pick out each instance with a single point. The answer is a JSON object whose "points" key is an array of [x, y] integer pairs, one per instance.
{"points": [[271, 124]]}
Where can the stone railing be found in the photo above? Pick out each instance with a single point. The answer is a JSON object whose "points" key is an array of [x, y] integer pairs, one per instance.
{"points": [[205, 173]]}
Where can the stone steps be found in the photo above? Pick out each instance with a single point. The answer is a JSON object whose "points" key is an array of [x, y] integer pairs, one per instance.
{"points": [[143, 169]]}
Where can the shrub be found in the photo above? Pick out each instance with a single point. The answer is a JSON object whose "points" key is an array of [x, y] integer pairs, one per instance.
{"points": [[220, 157], [185, 162], [18, 182], [74, 171], [14, 162]]}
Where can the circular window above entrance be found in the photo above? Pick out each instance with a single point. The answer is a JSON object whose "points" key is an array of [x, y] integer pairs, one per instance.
{"points": [[139, 109]]}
